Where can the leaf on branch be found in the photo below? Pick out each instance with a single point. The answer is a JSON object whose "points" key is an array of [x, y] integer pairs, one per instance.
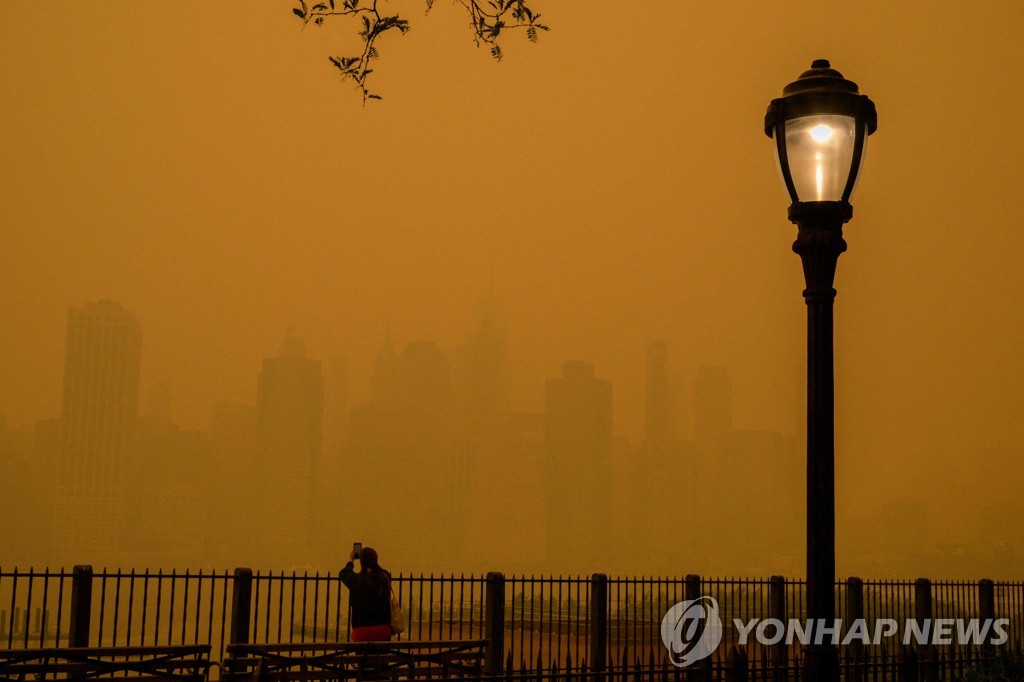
{"points": [[299, 13], [496, 52]]}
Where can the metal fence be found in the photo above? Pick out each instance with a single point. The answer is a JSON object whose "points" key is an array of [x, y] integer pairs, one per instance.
{"points": [[569, 624]]}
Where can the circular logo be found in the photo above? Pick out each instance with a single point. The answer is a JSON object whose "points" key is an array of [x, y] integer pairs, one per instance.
{"points": [[691, 630]]}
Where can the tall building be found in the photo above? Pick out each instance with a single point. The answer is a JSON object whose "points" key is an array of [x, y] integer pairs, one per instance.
{"points": [[234, 433], [712, 408], [98, 419], [402, 480], [384, 385], [658, 406], [492, 492], [172, 481], [289, 446], [578, 458], [24, 503], [335, 408], [480, 384]]}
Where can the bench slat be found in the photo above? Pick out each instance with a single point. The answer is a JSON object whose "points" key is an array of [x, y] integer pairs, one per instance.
{"points": [[317, 661], [189, 663]]}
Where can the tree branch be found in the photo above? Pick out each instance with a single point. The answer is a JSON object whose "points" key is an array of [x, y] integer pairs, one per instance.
{"points": [[488, 19]]}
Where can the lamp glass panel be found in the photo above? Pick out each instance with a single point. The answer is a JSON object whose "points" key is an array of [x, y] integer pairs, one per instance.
{"points": [[860, 164], [820, 152]]}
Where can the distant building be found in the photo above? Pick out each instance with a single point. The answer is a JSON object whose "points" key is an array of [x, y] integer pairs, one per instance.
{"points": [[658, 405], [659, 471], [98, 418], [335, 409], [384, 385], [403, 480], [233, 435], [577, 468], [26, 499], [290, 410], [169, 520], [480, 385], [712, 407]]}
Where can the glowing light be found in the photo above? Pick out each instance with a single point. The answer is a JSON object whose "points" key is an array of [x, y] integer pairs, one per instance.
{"points": [[821, 133]]}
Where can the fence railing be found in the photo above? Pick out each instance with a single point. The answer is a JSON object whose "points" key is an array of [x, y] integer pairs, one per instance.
{"points": [[573, 624]]}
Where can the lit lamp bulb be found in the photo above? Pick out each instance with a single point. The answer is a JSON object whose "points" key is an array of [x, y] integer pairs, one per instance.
{"points": [[820, 155], [821, 133]]}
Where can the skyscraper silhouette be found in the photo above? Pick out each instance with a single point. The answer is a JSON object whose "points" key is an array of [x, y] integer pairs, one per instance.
{"points": [[658, 406], [290, 439], [712, 408], [403, 487], [98, 420], [384, 386], [480, 384], [578, 454]]}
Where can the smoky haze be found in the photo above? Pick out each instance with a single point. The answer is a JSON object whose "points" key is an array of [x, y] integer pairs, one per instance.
{"points": [[539, 315]]}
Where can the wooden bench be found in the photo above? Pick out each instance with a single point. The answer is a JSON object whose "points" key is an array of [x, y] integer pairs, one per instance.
{"points": [[361, 661], [186, 663]]}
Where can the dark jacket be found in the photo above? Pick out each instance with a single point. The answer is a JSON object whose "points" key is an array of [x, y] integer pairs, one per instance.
{"points": [[369, 607]]}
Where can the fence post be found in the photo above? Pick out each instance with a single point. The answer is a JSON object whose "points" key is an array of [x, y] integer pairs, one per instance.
{"points": [[598, 622], [702, 669], [241, 607], [494, 622], [854, 612], [81, 606], [923, 615], [736, 664], [777, 609], [987, 614], [908, 664]]}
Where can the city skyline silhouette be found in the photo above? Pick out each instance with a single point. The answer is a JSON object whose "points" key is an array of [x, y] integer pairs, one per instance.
{"points": [[481, 481]]}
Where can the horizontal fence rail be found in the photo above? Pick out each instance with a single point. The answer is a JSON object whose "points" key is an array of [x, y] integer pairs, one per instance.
{"points": [[595, 627]]}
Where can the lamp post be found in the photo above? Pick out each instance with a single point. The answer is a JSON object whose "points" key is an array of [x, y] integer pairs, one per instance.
{"points": [[820, 126]]}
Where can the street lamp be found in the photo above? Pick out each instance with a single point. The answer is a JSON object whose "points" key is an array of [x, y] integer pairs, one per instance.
{"points": [[820, 126]]}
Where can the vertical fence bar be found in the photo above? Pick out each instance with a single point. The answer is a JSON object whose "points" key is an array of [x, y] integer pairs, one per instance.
{"points": [[598, 642], [46, 594], [145, 603], [103, 605], [28, 606], [13, 608]]}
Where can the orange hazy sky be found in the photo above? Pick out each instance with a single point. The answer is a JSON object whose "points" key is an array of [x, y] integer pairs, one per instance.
{"points": [[199, 163]]}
